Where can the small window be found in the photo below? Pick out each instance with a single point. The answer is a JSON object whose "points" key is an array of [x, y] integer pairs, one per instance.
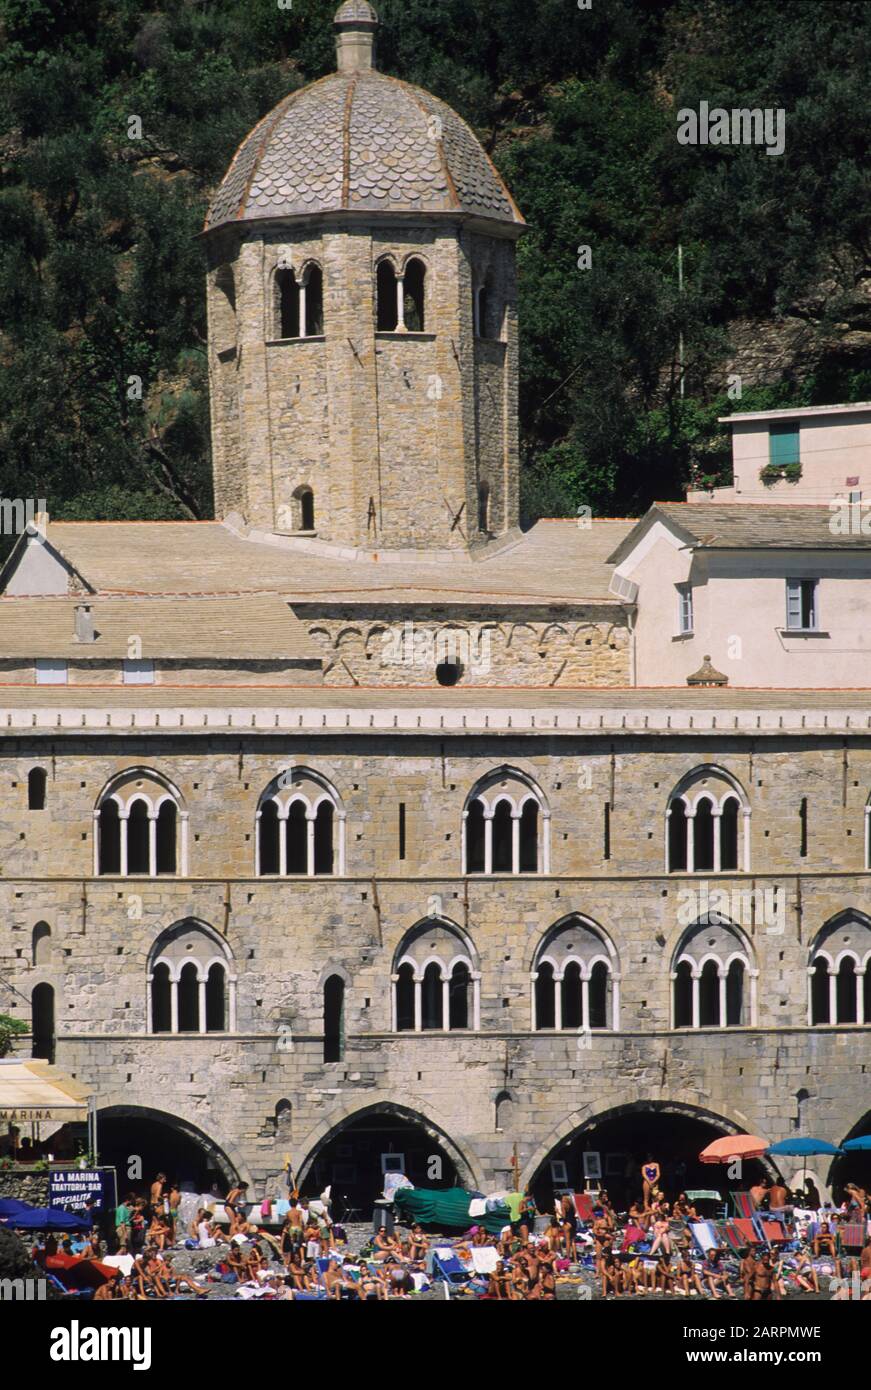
{"points": [[51, 672], [36, 778], [306, 510], [801, 605], [684, 609], [783, 445], [387, 315], [484, 507], [287, 294], [313, 287], [413, 296], [139, 673]]}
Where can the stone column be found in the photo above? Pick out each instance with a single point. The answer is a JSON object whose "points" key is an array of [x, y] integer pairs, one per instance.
{"points": [[152, 844], [123, 817], [488, 842], [310, 843], [557, 1001], [173, 1005], [201, 990], [515, 842]]}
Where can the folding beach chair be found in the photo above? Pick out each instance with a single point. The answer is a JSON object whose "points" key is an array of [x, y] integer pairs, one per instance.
{"points": [[744, 1205], [740, 1232], [447, 1267], [705, 1236]]}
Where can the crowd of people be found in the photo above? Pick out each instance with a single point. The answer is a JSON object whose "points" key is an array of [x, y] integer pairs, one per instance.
{"points": [[655, 1247]]}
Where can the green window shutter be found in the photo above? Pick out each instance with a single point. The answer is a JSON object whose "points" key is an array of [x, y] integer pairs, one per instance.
{"points": [[783, 445]]}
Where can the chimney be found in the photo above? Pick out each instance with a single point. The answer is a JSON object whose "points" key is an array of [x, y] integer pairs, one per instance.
{"points": [[355, 23], [84, 623]]}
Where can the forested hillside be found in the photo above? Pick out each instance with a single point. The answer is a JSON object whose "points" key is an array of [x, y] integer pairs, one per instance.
{"points": [[101, 271]]}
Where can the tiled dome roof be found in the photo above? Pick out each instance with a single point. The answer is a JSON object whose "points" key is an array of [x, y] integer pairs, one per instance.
{"points": [[360, 141]]}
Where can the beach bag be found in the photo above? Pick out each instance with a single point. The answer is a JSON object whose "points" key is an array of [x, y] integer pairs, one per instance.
{"points": [[265, 1209]]}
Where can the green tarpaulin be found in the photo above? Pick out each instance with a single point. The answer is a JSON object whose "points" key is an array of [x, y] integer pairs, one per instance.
{"points": [[447, 1208]]}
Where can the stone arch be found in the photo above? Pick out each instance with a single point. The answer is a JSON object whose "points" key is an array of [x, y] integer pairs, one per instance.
{"points": [[228, 1158], [382, 1103], [690, 1104]]}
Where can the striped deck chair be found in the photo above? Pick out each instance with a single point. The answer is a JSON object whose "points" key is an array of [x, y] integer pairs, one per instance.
{"points": [[745, 1206], [740, 1232], [773, 1232], [851, 1235]]}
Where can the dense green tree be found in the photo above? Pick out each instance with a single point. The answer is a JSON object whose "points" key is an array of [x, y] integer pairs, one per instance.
{"points": [[103, 391]]}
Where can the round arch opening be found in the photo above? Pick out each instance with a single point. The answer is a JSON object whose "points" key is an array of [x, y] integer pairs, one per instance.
{"points": [[624, 1138], [356, 1157], [854, 1166], [164, 1144]]}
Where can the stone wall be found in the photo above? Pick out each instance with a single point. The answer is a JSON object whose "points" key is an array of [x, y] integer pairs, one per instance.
{"points": [[285, 937]]}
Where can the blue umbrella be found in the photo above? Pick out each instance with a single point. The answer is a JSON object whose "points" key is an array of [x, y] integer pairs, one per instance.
{"points": [[856, 1145], [28, 1218], [800, 1148]]}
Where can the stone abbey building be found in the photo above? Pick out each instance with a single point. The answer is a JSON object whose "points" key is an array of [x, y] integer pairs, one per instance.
{"points": [[358, 827]]}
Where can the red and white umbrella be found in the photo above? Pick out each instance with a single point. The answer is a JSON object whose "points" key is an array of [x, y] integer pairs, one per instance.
{"points": [[734, 1146]]}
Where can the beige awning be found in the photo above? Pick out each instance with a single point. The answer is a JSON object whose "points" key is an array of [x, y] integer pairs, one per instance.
{"points": [[31, 1091]]}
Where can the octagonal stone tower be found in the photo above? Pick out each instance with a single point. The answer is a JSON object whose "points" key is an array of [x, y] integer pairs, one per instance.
{"points": [[362, 317]]}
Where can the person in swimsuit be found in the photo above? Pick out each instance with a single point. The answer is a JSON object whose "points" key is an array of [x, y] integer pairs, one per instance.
{"points": [[649, 1178]]}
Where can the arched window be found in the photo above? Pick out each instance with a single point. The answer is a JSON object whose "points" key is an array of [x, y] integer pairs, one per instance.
{"points": [[484, 507], [703, 837], [323, 847], [161, 994], [710, 967], [140, 823], [42, 1022], [304, 509], [504, 1111], [707, 824], [839, 970], [41, 944], [413, 296], [310, 821], [475, 838], [267, 833], [683, 995], [503, 848], [36, 779], [458, 996], [313, 289], [188, 999], [334, 1019], [545, 997], [506, 826], [387, 313], [571, 992], [405, 998], [299, 302], [166, 838], [191, 984], [436, 985], [216, 999], [109, 837], [297, 838], [287, 295], [432, 1012], [137, 838], [575, 978]]}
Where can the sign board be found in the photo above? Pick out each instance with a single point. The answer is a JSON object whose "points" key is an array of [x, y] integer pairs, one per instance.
{"points": [[71, 1188]]}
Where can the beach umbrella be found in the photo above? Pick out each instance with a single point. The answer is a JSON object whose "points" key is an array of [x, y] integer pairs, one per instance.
{"points": [[802, 1148], [857, 1145], [734, 1146]]}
